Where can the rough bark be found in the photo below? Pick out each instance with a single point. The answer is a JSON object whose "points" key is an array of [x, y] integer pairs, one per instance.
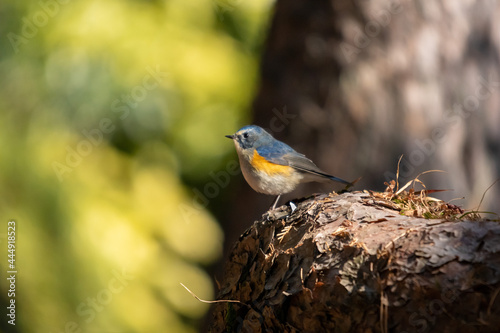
{"points": [[351, 263]]}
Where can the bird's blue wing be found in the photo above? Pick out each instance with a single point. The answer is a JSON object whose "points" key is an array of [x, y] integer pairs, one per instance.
{"points": [[283, 154], [276, 153]]}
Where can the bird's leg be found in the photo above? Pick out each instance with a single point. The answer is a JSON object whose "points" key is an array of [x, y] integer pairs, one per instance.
{"points": [[273, 206]]}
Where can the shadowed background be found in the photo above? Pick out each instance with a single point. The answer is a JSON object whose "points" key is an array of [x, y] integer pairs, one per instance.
{"points": [[112, 121], [363, 82]]}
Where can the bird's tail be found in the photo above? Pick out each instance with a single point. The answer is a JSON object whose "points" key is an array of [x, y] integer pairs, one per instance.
{"points": [[319, 176], [341, 181], [348, 184]]}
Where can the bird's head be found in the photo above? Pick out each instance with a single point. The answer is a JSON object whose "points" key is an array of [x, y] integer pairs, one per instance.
{"points": [[250, 137]]}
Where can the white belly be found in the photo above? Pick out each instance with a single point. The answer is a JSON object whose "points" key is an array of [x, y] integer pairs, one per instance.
{"points": [[269, 184]]}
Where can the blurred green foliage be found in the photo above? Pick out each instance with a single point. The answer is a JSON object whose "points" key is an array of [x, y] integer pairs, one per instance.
{"points": [[110, 113]]}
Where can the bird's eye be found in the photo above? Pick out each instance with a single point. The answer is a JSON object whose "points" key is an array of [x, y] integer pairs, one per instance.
{"points": [[245, 135]]}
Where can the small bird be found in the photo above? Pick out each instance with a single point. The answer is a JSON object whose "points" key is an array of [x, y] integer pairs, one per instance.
{"points": [[273, 167]]}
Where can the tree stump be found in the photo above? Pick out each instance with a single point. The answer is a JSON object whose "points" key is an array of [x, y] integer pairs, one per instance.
{"points": [[352, 263]]}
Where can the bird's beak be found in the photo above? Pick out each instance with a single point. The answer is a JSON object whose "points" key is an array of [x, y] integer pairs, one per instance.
{"points": [[230, 136]]}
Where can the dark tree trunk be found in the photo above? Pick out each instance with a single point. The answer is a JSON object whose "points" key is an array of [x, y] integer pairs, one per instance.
{"points": [[354, 84], [351, 263]]}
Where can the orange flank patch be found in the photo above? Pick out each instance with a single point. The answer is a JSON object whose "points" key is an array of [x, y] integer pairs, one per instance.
{"points": [[260, 163]]}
